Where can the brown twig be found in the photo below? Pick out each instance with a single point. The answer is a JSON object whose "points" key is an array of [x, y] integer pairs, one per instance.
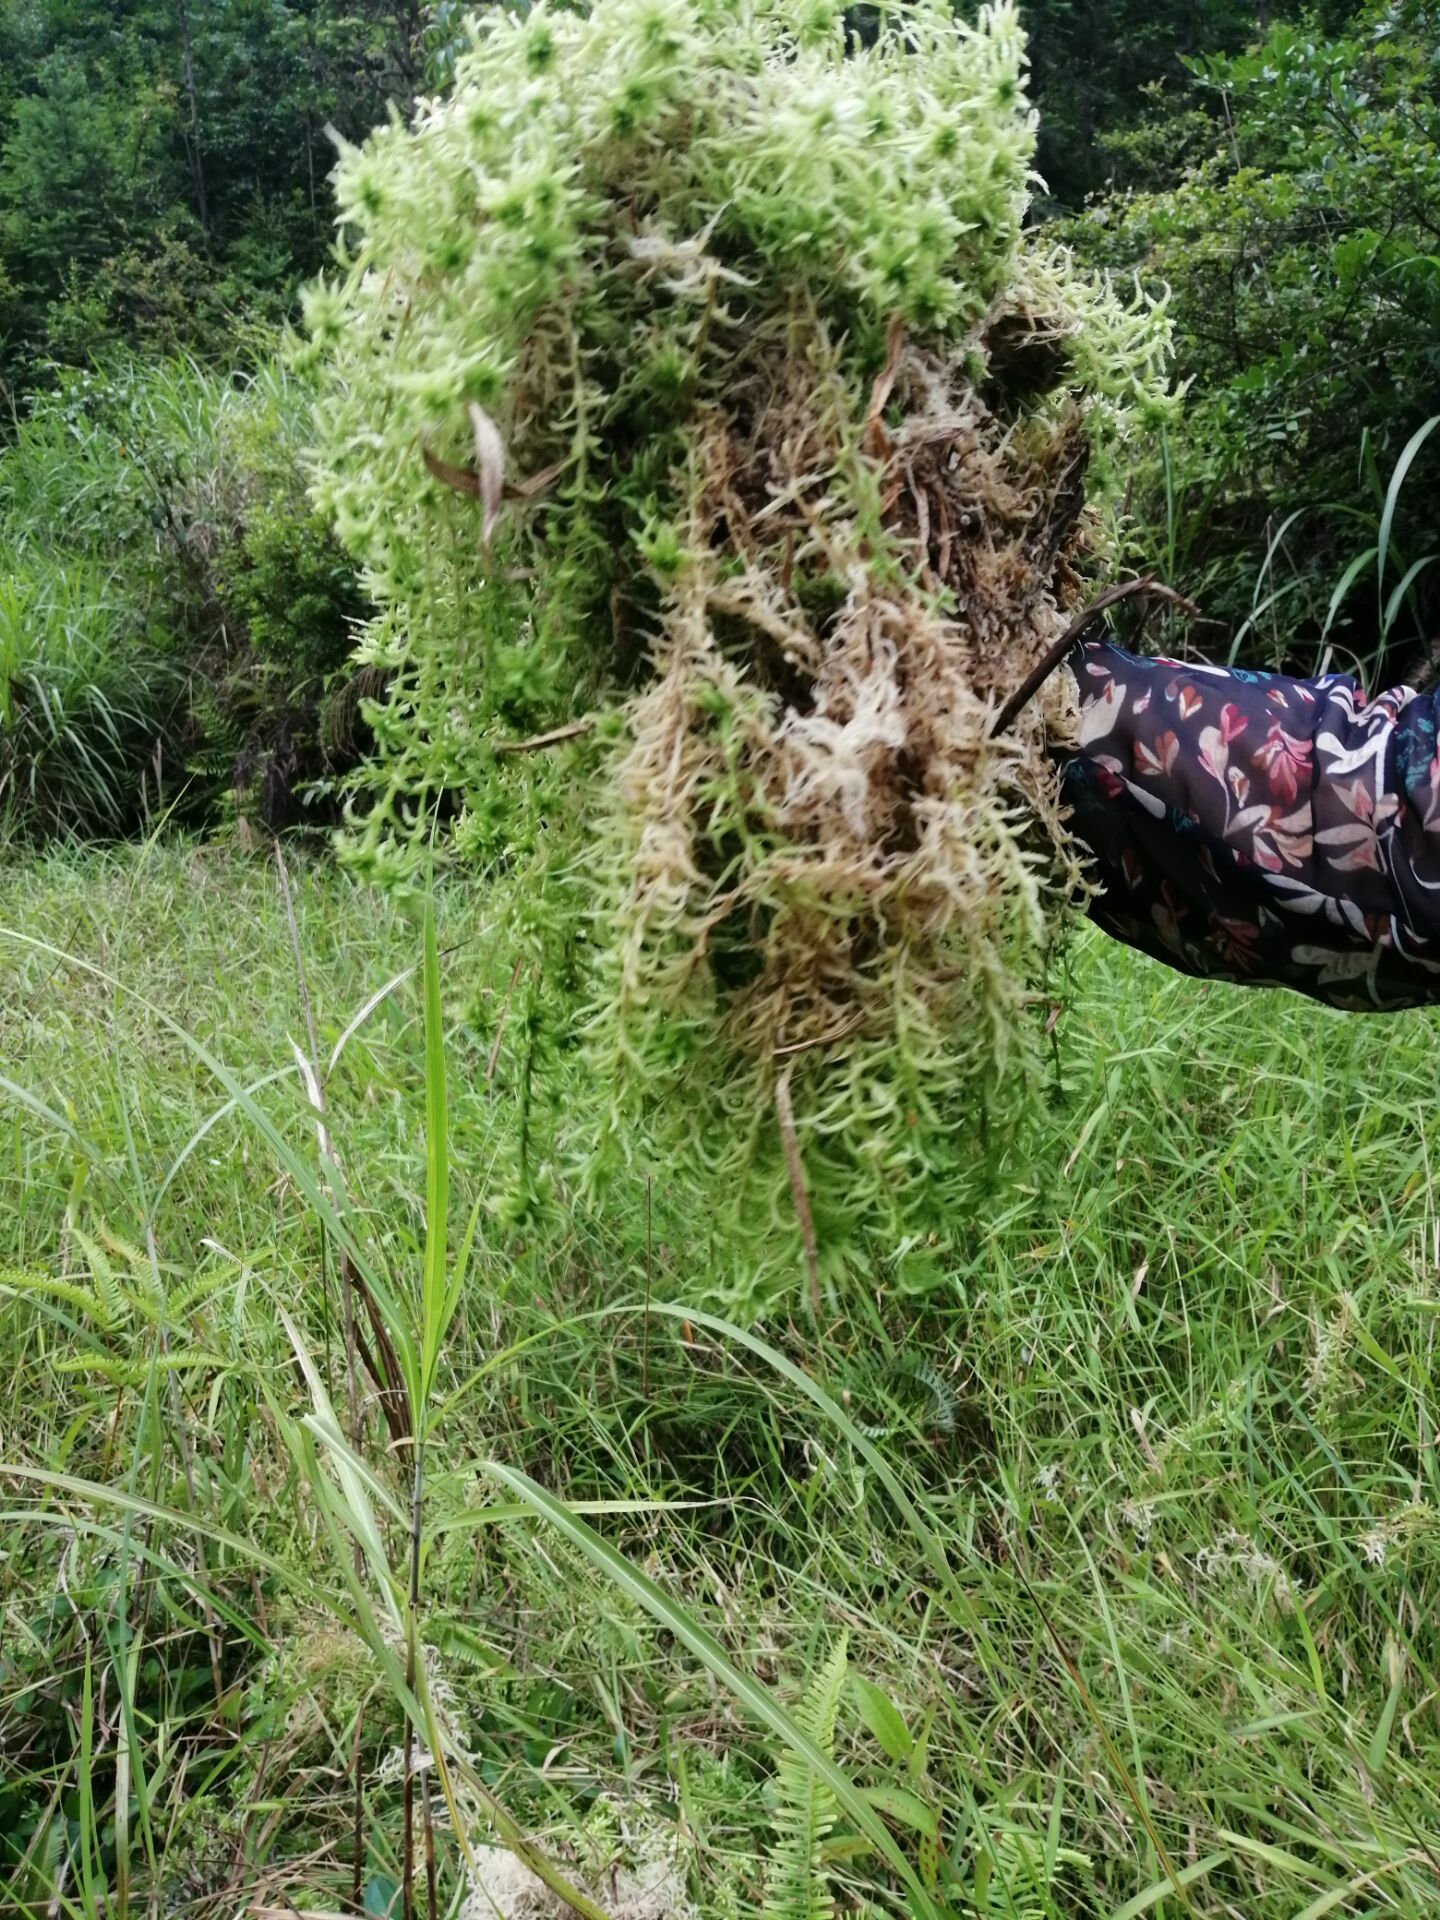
{"points": [[460, 478], [795, 1167], [553, 738], [876, 441], [1054, 654], [464, 481], [836, 1033]]}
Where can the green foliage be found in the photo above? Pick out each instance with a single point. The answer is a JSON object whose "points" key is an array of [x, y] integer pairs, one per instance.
{"points": [[87, 704], [1302, 259], [597, 417], [170, 606], [163, 166], [1117, 107], [796, 1883], [1189, 1346]]}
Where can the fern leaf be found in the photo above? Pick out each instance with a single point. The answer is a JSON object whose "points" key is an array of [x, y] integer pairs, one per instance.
{"points": [[65, 1293], [122, 1371], [797, 1886], [110, 1306], [196, 1291]]}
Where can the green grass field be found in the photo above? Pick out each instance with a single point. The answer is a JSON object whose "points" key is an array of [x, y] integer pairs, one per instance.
{"points": [[1100, 1580]]}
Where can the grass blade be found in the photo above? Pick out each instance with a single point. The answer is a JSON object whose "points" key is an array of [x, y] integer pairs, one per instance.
{"points": [[756, 1699], [436, 1302], [1158, 1889], [1392, 495]]}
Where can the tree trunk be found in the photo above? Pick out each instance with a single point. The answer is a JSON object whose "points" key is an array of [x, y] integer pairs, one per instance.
{"points": [[197, 161], [409, 50]]}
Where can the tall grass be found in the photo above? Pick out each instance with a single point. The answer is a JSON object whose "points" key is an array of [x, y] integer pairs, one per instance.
{"points": [[88, 704], [1098, 1580], [169, 607], [1352, 594]]}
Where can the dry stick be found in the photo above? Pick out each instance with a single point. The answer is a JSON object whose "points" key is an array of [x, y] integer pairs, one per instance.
{"points": [[876, 440], [463, 481], [1054, 654], [841, 1031], [794, 1166], [551, 739], [347, 1297]]}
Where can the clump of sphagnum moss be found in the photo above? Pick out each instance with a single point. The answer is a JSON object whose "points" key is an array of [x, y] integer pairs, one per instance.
{"points": [[696, 396]]}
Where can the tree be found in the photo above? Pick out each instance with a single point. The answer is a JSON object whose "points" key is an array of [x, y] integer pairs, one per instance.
{"points": [[1304, 259], [1109, 75], [164, 164]]}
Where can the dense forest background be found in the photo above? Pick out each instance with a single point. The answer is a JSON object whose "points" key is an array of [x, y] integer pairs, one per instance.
{"points": [[175, 623]]}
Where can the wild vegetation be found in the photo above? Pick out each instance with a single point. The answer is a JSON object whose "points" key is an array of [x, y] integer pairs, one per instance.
{"points": [[486, 1428], [174, 617], [1112, 1545], [1299, 245]]}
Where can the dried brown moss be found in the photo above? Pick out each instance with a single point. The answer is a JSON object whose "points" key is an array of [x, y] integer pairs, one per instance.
{"points": [[813, 774]]}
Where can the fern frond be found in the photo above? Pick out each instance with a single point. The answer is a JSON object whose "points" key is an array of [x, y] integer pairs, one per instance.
{"points": [[122, 1371], [86, 1301], [196, 1291], [796, 1885], [110, 1306]]}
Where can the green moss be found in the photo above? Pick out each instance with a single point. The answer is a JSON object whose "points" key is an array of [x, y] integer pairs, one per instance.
{"points": [[704, 230]]}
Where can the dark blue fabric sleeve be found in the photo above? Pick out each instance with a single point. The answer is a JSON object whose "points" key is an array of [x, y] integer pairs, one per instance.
{"points": [[1255, 827]]}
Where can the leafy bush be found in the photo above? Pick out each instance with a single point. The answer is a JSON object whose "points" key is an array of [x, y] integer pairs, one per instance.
{"points": [[1109, 78], [1306, 291], [695, 398], [170, 606]]}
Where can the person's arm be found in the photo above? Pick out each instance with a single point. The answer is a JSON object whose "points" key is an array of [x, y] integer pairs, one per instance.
{"points": [[1252, 827]]}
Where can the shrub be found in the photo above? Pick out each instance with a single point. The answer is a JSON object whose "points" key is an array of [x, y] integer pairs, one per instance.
{"points": [[86, 704], [695, 397], [1306, 288]]}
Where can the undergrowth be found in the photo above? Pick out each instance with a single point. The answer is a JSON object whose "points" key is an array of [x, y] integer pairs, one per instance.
{"points": [[172, 610], [1125, 1525]]}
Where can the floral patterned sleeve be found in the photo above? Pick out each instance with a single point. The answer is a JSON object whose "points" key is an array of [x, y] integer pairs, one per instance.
{"points": [[1251, 827]]}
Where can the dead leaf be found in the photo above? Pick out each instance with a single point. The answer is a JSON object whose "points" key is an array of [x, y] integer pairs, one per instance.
{"points": [[460, 478]]}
